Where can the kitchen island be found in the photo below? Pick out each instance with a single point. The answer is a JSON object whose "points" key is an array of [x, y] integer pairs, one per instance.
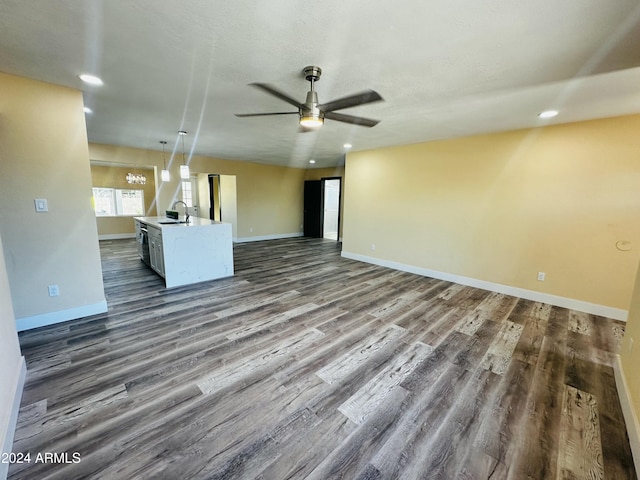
{"points": [[185, 253]]}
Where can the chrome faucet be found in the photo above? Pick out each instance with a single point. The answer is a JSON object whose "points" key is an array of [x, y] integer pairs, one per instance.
{"points": [[186, 210]]}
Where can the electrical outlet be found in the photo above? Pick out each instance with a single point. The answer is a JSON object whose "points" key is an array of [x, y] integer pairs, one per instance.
{"points": [[250, 229], [54, 291], [541, 276], [373, 247]]}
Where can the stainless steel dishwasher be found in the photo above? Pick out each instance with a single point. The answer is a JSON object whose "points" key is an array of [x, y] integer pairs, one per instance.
{"points": [[143, 244]]}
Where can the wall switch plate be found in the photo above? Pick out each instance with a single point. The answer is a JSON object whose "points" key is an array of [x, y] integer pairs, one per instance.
{"points": [[541, 276], [41, 205], [630, 344], [373, 247], [54, 291]]}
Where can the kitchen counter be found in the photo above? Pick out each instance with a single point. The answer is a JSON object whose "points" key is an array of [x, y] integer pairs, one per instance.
{"points": [[186, 253], [164, 222]]}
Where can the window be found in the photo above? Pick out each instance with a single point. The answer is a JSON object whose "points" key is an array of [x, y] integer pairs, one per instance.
{"points": [[103, 202], [114, 202]]}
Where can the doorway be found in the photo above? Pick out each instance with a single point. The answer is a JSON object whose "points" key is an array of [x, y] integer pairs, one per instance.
{"points": [[322, 199], [218, 199], [189, 195], [214, 197]]}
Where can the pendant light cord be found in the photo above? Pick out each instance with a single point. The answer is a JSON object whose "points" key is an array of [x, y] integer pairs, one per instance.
{"points": [[164, 157], [182, 135]]}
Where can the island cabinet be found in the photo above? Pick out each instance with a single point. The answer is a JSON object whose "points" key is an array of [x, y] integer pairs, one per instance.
{"points": [[186, 253], [156, 252]]}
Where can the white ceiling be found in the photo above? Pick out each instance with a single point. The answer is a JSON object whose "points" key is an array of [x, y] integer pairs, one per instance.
{"points": [[446, 68]]}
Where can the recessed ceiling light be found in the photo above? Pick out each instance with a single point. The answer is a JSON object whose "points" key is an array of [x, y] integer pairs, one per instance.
{"points": [[347, 145], [90, 79], [548, 114], [312, 161], [87, 110]]}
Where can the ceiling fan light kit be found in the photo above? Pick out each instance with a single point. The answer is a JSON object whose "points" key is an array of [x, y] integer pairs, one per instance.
{"points": [[311, 120], [311, 113]]}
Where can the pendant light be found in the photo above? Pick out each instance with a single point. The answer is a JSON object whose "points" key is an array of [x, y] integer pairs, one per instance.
{"points": [[184, 168], [165, 176]]}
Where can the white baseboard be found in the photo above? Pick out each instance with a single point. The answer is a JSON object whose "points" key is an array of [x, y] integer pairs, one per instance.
{"points": [[6, 436], [116, 236], [27, 323], [259, 238], [579, 305], [630, 417]]}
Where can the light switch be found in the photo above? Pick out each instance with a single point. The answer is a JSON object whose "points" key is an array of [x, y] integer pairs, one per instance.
{"points": [[41, 205]]}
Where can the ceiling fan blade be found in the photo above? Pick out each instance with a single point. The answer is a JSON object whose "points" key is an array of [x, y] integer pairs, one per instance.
{"points": [[341, 117], [277, 93], [368, 96], [264, 114]]}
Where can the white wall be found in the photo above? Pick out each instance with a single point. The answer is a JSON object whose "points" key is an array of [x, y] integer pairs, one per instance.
{"points": [[12, 367], [44, 154]]}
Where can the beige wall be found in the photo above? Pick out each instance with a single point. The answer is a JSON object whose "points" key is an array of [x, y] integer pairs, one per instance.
{"points": [[43, 154], [10, 363], [502, 207], [229, 202], [203, 202], [115, 177], [269, 198], [320, 173]]}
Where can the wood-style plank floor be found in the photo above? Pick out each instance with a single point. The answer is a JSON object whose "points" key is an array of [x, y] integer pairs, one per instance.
{"points": [[306, 365]]}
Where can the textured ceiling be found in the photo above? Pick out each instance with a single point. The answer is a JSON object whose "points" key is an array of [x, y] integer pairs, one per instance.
{"points": [[445, 68]]}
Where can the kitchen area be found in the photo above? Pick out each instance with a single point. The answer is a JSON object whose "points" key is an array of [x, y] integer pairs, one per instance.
{"points": [[182, 246], [185, 251]]}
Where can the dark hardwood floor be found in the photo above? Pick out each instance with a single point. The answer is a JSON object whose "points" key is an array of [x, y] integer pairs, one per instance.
{"points": [[306, 365]]}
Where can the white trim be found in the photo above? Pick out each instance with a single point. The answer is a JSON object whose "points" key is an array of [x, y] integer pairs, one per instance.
{"points": [[27, 323], [259, 238], [630, 417], [573, 304], [6, 436], [116, 236]]}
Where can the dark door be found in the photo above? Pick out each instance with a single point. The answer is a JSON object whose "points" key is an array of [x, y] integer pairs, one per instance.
{"points": [[211, 198], [313, 208]]}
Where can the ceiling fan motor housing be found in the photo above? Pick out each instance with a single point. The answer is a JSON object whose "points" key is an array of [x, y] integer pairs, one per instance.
{"points": [[311, 105]]}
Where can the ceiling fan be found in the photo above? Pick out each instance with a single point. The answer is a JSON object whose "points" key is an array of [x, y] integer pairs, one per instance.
{"points": [[311, 113]]}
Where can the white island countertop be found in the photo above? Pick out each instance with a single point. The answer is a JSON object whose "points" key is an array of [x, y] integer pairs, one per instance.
{"points": [[193, 252], [164, 222]]}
